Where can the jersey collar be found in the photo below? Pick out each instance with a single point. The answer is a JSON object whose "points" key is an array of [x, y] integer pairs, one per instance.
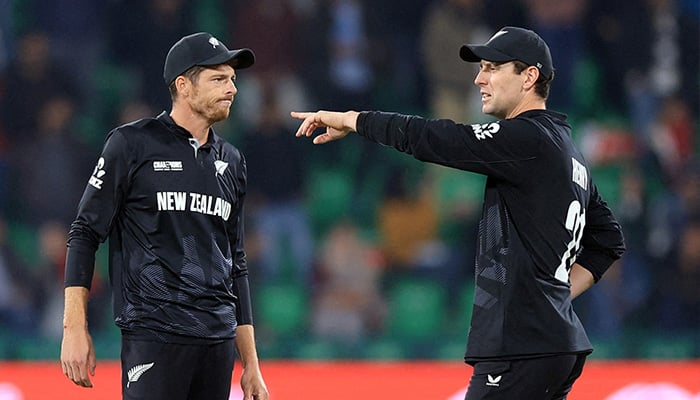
{"points": [[166, 119]]}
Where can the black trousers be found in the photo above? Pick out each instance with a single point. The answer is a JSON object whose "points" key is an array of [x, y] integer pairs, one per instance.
{"points": [[545, 378], [165, 371]]}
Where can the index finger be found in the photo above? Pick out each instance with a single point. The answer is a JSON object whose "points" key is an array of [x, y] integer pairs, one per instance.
{"points": [[300, 115], [309, 124]]}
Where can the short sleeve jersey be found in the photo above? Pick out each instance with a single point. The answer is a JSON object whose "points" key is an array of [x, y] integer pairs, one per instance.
{"points": [[172, 211], [541, 213]]}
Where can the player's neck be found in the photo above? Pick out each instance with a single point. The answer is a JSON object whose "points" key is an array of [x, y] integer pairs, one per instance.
{"points": [[197, 126], [533, 103]]}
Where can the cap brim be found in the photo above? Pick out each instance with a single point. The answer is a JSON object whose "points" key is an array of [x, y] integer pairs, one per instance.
{"points": [[476, 53], [238, 59]]}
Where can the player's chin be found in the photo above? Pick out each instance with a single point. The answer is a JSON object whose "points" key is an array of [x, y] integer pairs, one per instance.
{"points": [[221, 113], [489, 110]]}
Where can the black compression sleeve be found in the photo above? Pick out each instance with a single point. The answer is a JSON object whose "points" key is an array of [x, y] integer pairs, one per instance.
{"points": [[244, 309], [595, 263], [80, 266]]}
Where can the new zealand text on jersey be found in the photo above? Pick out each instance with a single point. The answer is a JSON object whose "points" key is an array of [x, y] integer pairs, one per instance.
{"points": [[196, 202]]}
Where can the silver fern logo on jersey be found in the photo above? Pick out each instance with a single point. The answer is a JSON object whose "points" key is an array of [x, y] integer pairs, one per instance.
{"points": [[220, 167], [97, 174], [135, 373]]}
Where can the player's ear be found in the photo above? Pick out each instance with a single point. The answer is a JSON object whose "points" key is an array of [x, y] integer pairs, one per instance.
{"points": [[531, 75], [182, 85]]}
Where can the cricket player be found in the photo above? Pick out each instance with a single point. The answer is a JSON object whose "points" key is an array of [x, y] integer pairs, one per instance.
{"points": [[545, 234], [168, 192]]}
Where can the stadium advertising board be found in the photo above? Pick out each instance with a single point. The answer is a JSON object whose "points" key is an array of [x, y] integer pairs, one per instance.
{"points": [[601, 380]]}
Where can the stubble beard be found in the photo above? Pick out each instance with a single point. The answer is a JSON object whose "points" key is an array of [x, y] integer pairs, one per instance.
{"points": [[212, 112], [219, 114]]}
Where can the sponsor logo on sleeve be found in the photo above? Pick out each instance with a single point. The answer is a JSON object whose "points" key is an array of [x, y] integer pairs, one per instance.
{"points": [[483, 131], [97, 174]]}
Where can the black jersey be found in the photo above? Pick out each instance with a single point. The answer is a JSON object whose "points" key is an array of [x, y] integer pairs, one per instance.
{"points": [[172, 211], [541, 213]]}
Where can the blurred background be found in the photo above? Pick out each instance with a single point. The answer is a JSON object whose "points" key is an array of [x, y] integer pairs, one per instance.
{"points": [[356, 251]]}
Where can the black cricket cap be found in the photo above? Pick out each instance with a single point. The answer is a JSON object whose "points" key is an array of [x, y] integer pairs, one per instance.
{"points": [[202, 49], [509, 44]]}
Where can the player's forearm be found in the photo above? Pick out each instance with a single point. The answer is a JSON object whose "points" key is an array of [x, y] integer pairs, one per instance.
{"points": [[75, 307], [245, 345], [406, 134], [581, 279]]}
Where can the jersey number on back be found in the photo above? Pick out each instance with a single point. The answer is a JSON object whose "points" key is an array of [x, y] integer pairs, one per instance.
{"points": [[575, 222]]}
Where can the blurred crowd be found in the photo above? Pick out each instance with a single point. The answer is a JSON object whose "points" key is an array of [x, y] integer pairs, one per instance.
{"points": [[345, 223]]}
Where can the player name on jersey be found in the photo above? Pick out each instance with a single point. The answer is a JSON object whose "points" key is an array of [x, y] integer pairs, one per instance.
{"points": [[580, 175], [196, 202]]}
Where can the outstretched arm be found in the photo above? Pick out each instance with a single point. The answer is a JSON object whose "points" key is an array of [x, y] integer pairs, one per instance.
{"points": [[337, 124]]}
